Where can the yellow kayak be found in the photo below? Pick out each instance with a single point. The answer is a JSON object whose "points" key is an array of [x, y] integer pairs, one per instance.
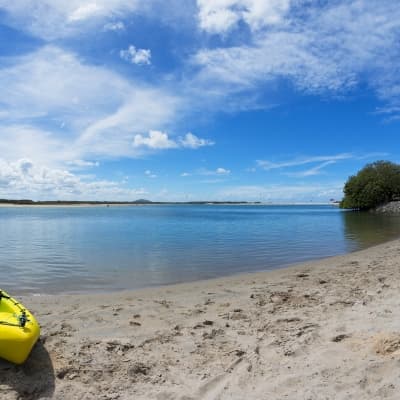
{"points": [[19, 330]]}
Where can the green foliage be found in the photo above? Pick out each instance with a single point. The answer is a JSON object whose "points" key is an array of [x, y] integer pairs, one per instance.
{"points": [[375, 184]]}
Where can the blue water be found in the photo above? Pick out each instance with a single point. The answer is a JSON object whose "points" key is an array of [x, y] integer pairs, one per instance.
{"points": [[67, 249]]}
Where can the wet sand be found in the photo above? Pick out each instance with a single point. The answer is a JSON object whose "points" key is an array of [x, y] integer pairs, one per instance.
{"points": [[328, 329]]}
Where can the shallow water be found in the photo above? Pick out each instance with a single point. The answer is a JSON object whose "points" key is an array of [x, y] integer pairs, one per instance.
{"points": [[67, 249]]}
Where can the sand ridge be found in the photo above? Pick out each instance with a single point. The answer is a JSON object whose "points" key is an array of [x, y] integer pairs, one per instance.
{"points": [[321, 330]]}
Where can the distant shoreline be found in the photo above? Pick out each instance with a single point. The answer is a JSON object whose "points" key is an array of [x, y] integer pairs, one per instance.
{"points": [[30, 203], [105, 203]]}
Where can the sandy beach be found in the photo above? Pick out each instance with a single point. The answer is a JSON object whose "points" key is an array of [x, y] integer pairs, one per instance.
{"points": [[321, 330]]}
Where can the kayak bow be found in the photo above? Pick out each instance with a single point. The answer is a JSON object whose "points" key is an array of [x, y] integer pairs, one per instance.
{"points": [[19, 330]]}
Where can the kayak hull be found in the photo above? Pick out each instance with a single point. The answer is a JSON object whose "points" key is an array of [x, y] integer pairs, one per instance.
{"points": [[16, 341]]}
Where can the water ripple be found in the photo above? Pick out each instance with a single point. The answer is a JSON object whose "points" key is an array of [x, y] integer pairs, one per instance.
{"points": [[96, 248]]}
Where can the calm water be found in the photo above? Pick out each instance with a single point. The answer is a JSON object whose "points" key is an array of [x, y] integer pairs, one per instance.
{"points": [[47, 250]]}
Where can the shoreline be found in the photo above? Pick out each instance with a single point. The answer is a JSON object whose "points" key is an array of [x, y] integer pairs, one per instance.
{"points": [[333, 323]]}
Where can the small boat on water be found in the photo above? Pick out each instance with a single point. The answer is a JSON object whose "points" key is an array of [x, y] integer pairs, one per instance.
{"points": [[19, 330]]}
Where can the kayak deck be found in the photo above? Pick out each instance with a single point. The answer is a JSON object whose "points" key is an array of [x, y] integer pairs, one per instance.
{"points": [[19, 330]]}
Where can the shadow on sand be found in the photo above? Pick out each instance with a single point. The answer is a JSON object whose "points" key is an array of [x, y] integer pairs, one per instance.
{"points": [[30, 381]]}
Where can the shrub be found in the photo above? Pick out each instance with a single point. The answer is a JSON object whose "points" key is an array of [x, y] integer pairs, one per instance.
{"points": [[375, 184]]}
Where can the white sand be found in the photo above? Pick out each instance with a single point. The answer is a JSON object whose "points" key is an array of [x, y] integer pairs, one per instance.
{"points": [[323, 330]]}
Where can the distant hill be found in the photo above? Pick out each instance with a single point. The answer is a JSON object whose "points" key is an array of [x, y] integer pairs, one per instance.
{"points": [[142, 201]]}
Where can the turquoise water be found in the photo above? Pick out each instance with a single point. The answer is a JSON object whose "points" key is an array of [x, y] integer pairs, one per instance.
{"points": [[66, 249]]}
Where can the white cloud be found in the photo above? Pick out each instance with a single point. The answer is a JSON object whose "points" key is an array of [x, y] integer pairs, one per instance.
{"points": [[216, 16], [193, 142], [25, 179], [154, 140], [86, 11], [136, 56], [222, 171], [217, 171], [184, 174], [160, 140], [219, 16]]}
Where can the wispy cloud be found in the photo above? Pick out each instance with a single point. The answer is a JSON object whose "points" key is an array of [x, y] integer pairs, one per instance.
{"points": [[326, 160], [319, 47], [329, 47], [317, 170], [83, 122], [114, 26], [82, 164], [211, 181], [218, 171], [150, 174], [321, 163], [374, 155], [51, 20]]}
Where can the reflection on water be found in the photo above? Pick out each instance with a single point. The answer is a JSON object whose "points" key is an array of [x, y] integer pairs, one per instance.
{"points": [[99, 248], [364, 229]]}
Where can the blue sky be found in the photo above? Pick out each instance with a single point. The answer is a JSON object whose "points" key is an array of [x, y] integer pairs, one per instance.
{"points": [[271, 100]]}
